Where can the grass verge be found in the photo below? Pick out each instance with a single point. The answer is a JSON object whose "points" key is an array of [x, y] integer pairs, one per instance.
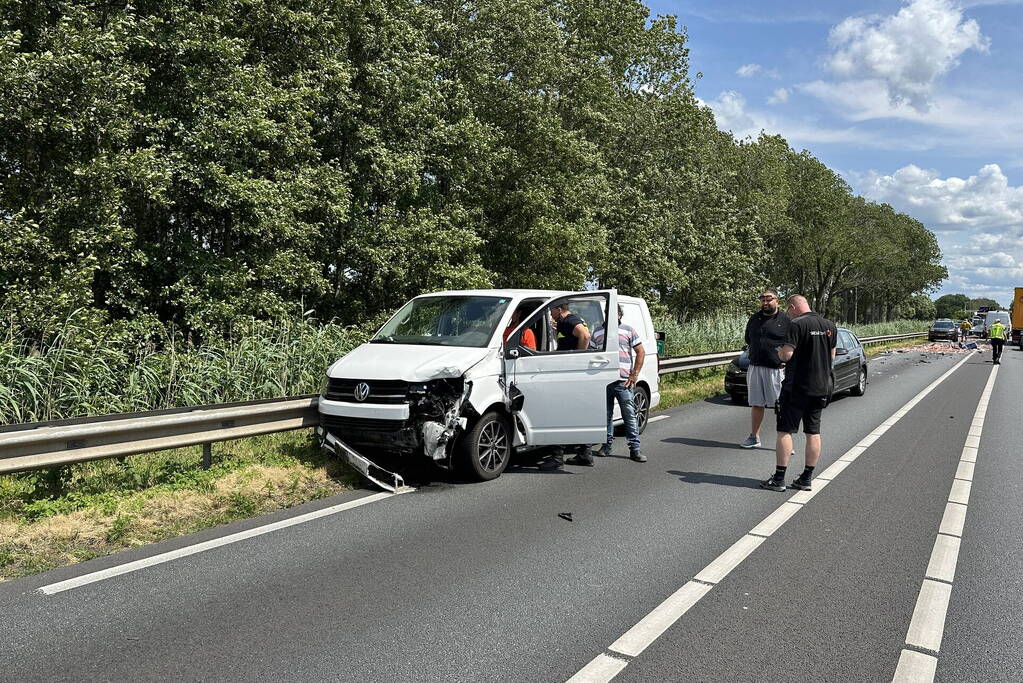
{"points": [[58, 517], [694, 385]]}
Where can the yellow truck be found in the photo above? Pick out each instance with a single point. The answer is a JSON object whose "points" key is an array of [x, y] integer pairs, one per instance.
{"points": [[1017, 318]]}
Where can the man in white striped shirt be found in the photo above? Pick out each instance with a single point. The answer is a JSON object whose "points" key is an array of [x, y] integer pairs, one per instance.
{"points": [[623, 391]]}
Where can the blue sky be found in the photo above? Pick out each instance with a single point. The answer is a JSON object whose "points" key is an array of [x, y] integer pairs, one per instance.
{"points": [[918, 103]]}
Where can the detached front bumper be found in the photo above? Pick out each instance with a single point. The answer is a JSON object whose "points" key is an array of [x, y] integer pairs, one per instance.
{"points": [[385, 479]]}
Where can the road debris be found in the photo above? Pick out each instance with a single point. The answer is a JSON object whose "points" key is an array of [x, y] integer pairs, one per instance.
{"points": [[567, 516]]}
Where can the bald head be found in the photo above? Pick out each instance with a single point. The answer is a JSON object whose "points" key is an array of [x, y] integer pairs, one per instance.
{"points": [[797, 305]]}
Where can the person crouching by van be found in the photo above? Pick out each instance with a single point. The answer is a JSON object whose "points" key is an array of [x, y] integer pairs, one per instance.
{"points": [[623, 391], [765, 332]]}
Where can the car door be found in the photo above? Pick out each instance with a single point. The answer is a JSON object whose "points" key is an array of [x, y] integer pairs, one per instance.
{"points": [[560, 397], [847, 364]]}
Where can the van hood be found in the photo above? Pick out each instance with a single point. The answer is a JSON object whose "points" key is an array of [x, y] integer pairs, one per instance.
{"points": [[408, 362]]}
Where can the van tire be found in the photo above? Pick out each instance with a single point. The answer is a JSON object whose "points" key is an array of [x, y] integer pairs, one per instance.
{"points": [[483, 452], [642, 401]]}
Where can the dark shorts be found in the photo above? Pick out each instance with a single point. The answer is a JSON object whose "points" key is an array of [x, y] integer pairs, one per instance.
{"points": [[791, 409]]}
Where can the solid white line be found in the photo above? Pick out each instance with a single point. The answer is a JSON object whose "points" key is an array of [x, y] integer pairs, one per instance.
{"points": [[650, 627], [601, 669], [953, 520], [944, 558], [915, 667], [668, 612], [969, 454], [804, 497], [965, 470], [729, 560], [928, 623], [960, 492], [206, 545], [658, 417], [774, 520], [834, 469]]}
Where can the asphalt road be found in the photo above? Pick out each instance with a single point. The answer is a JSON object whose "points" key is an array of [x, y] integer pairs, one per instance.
{"points": [[485, 582]]}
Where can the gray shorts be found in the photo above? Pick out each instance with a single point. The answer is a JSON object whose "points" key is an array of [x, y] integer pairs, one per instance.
{"points": [[764, 385]]}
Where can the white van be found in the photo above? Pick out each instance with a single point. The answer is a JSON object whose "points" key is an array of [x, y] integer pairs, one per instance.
{"points": [[989, 319], [447, 378]]}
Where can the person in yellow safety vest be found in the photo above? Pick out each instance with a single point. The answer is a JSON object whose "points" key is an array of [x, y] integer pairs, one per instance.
{"points": [[964, 329], [998, 330]]}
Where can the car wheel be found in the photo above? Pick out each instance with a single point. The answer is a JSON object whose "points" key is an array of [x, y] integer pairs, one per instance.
{"points": [[484, 451], [738, 399], [861, 385], [642, 401]]}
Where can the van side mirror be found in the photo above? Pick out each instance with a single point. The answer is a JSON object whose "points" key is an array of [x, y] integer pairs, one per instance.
{"points": [[841, 352]]}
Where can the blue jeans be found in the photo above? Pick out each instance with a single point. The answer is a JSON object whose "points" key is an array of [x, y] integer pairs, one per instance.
{"points": [[626, 398]]}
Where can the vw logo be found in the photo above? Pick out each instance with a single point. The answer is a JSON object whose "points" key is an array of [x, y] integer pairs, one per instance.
{"points": [[361, 391]]}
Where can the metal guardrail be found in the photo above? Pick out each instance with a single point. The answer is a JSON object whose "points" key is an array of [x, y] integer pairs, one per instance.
{"points": [[37, 445], [670, 366]]}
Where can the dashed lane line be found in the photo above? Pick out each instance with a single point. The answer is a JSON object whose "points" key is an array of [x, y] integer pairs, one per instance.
{"points": [[609, 664], [927, 627]]}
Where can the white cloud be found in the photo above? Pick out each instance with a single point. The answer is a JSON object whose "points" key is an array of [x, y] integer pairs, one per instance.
{"points": [[751, 70], [780, 96], [908, 52], [732, 115], [984, 200], [978, 220]]}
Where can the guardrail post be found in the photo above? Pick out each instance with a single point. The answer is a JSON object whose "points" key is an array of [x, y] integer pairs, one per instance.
{"points": [[207, 456]]}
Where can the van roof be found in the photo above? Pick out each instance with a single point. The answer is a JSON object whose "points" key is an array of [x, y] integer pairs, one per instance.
{"points": [[545, 293]]}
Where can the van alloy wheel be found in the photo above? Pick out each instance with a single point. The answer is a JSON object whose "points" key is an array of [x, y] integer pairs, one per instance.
{"points": [[642, 401], [492, 447]]}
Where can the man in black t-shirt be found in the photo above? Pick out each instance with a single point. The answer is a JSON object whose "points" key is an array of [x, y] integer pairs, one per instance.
{"points": [[573, 334], [766, 330], [808, 351]]}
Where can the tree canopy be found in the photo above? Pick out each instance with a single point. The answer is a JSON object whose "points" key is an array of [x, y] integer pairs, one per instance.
{"points": [[192, 162]]}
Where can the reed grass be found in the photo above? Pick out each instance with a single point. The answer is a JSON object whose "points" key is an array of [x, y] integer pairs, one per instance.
{"points": [[79, 371]]}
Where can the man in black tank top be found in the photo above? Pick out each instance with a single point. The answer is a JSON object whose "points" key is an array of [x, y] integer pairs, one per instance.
{"points": [[808, 351]]}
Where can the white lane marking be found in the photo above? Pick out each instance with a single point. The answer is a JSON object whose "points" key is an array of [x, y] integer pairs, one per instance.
{"points": [[953, 520], [730, 559], [803, 497], [834, 469], [944, 558], [960, 492], [927, 626], [650, 627], [915, 667], [742, 548], [601, 669], [206, 545], [774, 520], [658, 417], [928, 623], [852, 453]]}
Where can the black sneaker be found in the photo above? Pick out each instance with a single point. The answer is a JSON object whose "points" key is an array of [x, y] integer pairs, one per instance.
{"points": [[773, 484], [801, 484], [580, 460], [603, 451], [637, 456], [551, 463]]}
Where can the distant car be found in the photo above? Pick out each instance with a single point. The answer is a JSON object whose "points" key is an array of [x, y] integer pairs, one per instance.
{"points": [[849, 369], [943, 329]]}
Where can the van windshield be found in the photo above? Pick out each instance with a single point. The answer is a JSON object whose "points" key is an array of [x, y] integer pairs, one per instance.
{"points": [[444, 321]]}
